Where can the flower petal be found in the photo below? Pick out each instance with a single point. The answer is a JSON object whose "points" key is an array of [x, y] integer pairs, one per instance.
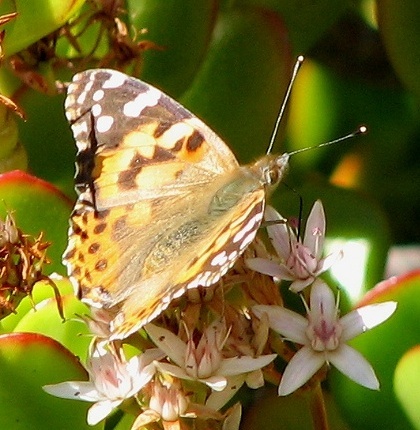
{"points": [[315, 230], [139, 361], [218, 399], [244, 364], [322, 303], [255, 379], [81, 390], [144, 377], [365, 318], [289, 324], [352, 364], [173, 370], [279, 233], [300, 369], [98, 411], [300, 284], [325, 263], [145, 418], [233, 418], [141, 368], [168, 342], [268, 267], [216, 382]]}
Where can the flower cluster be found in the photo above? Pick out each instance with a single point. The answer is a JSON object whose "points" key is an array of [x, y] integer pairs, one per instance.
{"points": [[193, 359]]}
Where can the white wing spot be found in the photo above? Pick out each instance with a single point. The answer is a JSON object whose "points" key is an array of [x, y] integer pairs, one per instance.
{"points": [[219, 260], [69, 112], [194, 283], [79, 128], [143, 100], [82, 97], [249, 226], [69, 102], [96, 110], [70, 99], [225, 268], [233, 256], [116, 80], [104, 123], [204, 279], [177, 294], [248, 239], [241, 233], [98, 95], [72, 87]]}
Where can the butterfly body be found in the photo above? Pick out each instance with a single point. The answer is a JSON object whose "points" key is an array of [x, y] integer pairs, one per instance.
{"points": [[163, 204]]}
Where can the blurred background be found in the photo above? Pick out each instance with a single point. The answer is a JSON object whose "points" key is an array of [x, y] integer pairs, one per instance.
{"points": [[230, 62]]}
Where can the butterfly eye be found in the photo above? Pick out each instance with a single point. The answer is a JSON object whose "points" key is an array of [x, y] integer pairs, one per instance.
{"points": [[272, 176]]}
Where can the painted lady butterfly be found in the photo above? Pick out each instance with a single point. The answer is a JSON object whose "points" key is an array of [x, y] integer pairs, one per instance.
{"points": [[163, 204]]}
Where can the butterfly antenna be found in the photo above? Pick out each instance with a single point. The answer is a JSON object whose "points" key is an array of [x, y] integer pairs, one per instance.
{"points": [[296, 68], [360, 130], [299, 229]]}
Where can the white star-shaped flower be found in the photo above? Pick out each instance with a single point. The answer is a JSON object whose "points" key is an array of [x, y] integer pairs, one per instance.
{"points": [[323, 336], [112, 380], [204, 361], [300, 261]]}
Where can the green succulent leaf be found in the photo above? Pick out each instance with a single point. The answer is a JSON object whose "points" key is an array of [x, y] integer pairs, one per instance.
{"points": [[383, 347], [400, 30], [239, 87], [407, 382], [29, 361], [24, 30], [37, 206], [181, 34]]}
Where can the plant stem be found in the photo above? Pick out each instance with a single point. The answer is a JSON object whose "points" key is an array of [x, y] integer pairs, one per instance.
{"points": [[317, 407]]}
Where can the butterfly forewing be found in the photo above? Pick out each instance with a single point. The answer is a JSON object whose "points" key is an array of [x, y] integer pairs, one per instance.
{"points": [[125, 129]]}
